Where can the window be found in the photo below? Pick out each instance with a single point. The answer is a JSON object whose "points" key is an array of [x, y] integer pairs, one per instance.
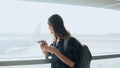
{"points": [[23, 23]]}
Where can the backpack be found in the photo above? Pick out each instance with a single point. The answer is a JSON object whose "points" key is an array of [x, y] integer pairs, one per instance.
{"points": [[84, 57]]}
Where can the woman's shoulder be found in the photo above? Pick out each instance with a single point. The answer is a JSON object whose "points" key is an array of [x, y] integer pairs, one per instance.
{"points": [[74, 41]]}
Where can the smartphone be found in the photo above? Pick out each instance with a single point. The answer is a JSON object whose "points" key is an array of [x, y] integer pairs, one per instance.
{"points": [[40, 42]]}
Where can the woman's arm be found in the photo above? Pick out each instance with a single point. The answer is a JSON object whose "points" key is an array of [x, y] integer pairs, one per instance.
{"points": [[55, 51], [64, 59]]}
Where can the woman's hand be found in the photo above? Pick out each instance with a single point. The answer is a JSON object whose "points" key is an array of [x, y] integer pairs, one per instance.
{"points": [[47, 48], [55, 51], [50, 49], [44, 45]]}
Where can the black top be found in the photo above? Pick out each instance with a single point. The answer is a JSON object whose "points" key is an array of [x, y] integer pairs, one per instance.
{"points": [[73, 44]]}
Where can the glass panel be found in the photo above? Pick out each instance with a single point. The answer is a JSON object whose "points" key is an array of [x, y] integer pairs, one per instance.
{"points": [[23, 23], [107, 63], [101, 44], [29, 66]]}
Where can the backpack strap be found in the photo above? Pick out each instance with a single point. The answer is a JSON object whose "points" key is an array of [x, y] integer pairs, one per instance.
{"points": [[65, 45]]}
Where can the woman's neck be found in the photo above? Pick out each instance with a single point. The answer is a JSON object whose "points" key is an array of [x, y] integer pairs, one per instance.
{"points": [[57, 40]]}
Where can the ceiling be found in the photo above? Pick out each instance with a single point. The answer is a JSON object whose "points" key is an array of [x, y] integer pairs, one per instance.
{"points": [[110, 4]]}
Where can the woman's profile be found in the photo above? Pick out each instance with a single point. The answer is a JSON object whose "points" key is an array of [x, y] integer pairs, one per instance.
{"points": [[60, 58]]}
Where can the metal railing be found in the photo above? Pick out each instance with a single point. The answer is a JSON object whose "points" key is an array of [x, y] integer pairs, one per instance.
{"points": [[45, 61]]}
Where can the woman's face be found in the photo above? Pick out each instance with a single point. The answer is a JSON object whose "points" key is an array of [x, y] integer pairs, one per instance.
{"points": [[51, 29]]}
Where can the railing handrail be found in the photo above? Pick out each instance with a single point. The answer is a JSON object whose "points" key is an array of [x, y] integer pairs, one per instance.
{"points": [[45, 61]]}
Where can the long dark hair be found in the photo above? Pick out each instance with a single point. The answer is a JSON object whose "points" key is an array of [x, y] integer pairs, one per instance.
{"points": [[57, 23]]}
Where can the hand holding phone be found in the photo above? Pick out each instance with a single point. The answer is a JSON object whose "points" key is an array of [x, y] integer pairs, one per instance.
{"points": [[42, 42]]}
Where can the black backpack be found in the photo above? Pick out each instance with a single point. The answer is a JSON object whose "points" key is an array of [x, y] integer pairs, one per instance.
{"points": [[84, 56]]}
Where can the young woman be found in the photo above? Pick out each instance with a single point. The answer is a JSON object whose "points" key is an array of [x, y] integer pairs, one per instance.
{"points": [[60, 58]]}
